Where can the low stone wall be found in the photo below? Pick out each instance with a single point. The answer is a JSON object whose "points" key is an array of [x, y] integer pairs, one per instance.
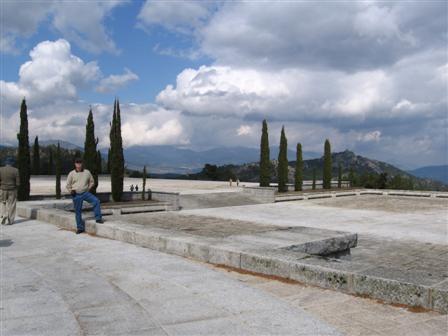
{"points": [[263, 195], [127, 196], [102, 196], [308, 185], [358, 192], [170, 197]]}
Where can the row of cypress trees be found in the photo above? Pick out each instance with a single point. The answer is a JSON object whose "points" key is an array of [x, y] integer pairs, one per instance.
{"points": [[282, 167], [92, 157]]}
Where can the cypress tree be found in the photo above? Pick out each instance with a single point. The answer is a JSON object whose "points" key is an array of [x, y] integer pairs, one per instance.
{"points": [[144, 183], [58, 171], [314, 179], [99, 162], [36, 156], [50, 161], [327, 166], [116, 154], [283, 163], [90, 153], [119, 153], [339, 176], [23, 155], [112, 147], [265, 161], [299, 169]]}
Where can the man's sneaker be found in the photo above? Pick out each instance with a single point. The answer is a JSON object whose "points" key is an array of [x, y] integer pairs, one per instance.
{"points": [[99, 221], [79, 231]]}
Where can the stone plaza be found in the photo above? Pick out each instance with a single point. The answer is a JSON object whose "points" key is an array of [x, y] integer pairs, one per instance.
{"points": [[204, 258]]}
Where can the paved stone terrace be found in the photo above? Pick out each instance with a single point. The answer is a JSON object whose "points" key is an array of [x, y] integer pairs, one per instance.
{"points": [[401, 218], [383, 269], [57, 283], [45, 185], [412, 262]]}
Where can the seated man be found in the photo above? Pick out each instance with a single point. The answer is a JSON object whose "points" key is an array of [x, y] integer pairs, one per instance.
{"points": [[79, 182]]}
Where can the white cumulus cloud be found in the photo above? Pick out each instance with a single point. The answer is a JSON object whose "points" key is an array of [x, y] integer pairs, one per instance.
{"points": [[80, 22], [114, 82], [52, 73]]}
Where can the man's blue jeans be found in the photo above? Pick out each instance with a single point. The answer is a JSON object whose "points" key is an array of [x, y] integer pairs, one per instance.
{"points": [[78, 200]]}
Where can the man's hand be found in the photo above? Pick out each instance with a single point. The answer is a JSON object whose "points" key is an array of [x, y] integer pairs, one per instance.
{"points": [[73, 193]]}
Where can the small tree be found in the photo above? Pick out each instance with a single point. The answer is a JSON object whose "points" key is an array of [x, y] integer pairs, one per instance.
{"points": [[327, 166], [299, 169], [58, 171], [352, 177], [382, 181], [283, 163], [36, 156], [144, 183], [265, 161], [23, 155], [339, 176], [314, 179]]}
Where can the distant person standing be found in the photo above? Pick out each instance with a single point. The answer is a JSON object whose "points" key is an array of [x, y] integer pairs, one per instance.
{"points": [[9, 181], [230, 182], [136, 187], [79, 183], [237, 182], [132, 188]]}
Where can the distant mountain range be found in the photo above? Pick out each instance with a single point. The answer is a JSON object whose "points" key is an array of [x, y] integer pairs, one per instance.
{"points": [[438, 173], [62, 143], [172, 159], [177, 160]]}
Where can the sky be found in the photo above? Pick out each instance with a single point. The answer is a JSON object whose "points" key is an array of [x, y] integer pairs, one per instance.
{"points": [[370, 76]]}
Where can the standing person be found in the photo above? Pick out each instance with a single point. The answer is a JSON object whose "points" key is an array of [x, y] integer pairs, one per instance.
{"points": [[237, 182], [230, 182], [9, 181], [136, 187], [132, 188], [79, 182]]}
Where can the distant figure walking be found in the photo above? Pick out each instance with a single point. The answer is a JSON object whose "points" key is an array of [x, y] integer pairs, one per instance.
{"points": [[237, 182], [9, 181], [136, 187], [79, 183], [132, 188], [230, 182]]}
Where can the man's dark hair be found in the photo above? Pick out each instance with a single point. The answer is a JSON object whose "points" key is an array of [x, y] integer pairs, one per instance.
{"points": [[78, 160]]}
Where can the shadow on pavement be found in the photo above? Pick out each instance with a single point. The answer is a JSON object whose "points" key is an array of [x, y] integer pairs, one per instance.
{"points": [[6, 242]]}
